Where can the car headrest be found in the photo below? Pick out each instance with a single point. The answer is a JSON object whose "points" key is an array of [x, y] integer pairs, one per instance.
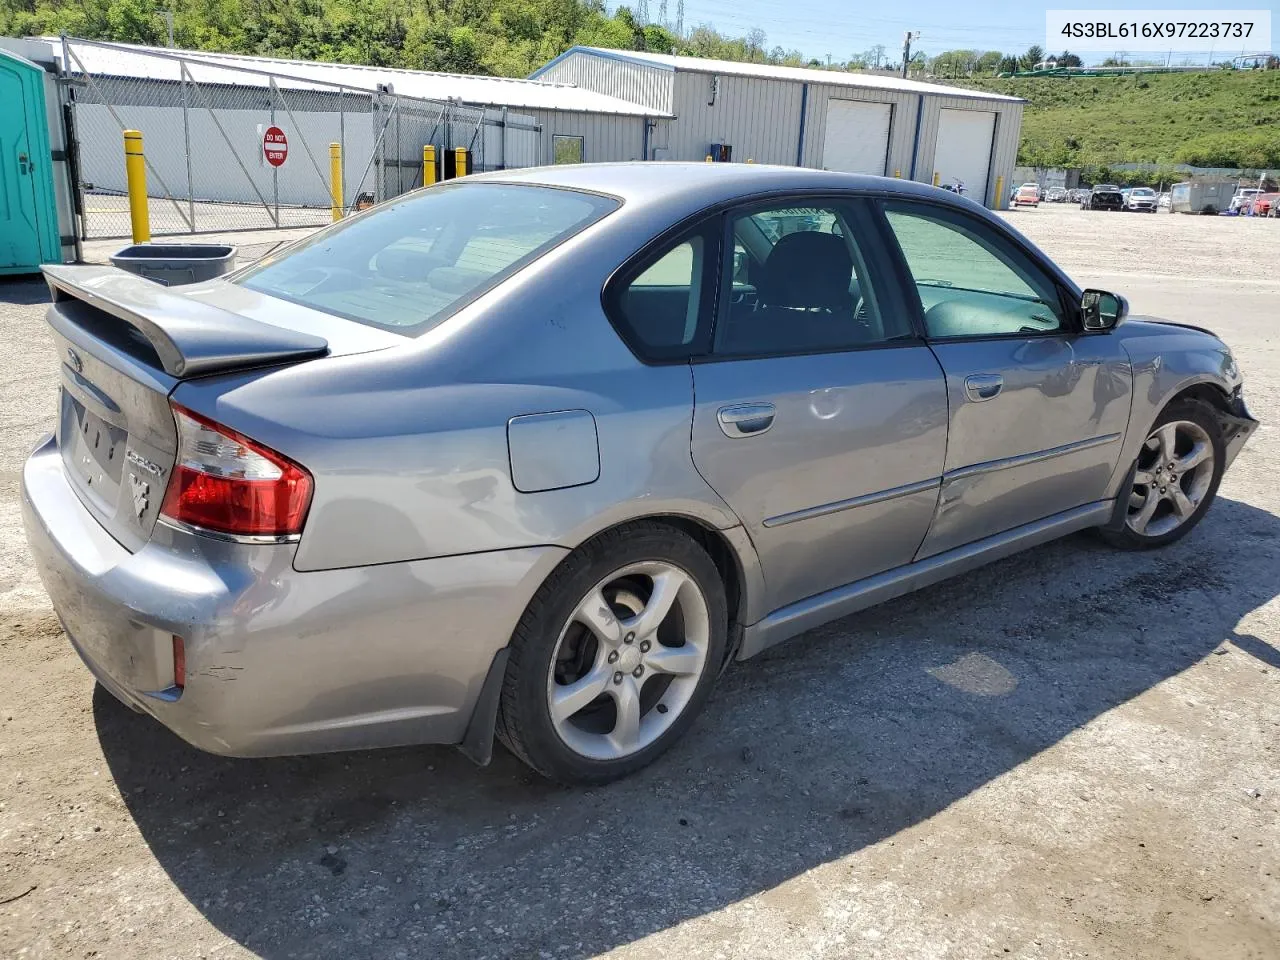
{"points": [[808, 270]]}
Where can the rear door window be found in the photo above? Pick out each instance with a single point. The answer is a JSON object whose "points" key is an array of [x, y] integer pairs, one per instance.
{"points": [[800, 283], [410, 263]]}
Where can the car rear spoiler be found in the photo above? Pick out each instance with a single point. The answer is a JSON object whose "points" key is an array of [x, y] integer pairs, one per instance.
{"points": [[190, 337]]}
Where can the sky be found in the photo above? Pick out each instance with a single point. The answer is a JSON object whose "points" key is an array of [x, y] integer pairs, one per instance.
{"points": [[839, 28]]}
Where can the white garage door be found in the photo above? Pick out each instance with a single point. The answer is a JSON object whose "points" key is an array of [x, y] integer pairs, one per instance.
{"points": [[963, 153], [857, 139]]}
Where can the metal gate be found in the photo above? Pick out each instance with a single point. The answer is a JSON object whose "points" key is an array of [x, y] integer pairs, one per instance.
{"points": [[203, 123]]}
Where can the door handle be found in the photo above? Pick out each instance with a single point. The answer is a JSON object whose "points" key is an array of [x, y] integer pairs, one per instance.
{"points": [[983, 386], [23, 164], [745, 419]]}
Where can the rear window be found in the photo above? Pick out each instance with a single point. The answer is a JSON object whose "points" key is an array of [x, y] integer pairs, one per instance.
{"points": [[410, 263]]}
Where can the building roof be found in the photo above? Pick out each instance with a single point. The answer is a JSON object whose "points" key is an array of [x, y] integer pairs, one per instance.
{"points": [[128, 60], [875, 81]]}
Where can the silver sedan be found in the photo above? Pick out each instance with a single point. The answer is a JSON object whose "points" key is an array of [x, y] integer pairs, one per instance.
{"points": [[538, 453]]}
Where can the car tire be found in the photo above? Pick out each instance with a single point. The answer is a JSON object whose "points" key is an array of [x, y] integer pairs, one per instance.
{"points": [[568, 647], [1149, 513]]}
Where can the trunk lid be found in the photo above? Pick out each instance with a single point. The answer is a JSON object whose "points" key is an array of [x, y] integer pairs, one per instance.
{"points": [[123, 344]]}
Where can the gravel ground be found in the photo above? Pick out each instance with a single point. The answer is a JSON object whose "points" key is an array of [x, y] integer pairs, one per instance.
{"points": [[1071, 753]]}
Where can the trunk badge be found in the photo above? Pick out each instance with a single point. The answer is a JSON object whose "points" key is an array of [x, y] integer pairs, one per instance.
{"points": [[140, 489], [143, 463], [73, 359]]}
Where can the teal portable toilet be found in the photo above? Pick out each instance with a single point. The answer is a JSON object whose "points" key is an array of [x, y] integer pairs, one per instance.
{"points": [[30, 212]]}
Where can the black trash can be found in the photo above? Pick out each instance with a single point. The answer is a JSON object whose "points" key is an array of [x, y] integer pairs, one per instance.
{"points": [[176, 263]]}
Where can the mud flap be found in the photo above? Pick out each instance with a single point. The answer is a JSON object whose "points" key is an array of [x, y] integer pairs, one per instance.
{"points": [[477, 742]]}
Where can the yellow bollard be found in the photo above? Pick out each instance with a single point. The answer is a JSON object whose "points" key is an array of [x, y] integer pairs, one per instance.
{"points": [[708, 158], [428, 165], [135, 169], [937, 178], [999, 193], [749, 160], [897, 174], [459, 161], [335, 180]]}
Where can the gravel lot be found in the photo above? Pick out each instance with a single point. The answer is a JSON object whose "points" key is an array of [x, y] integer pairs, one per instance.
{"points": [[1071, 753]]}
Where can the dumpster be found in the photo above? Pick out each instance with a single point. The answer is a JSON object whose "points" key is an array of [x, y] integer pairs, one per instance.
{"points": [[176, 263]]}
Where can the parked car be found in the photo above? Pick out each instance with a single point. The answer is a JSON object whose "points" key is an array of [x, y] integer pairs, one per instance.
{"points": [[1240, 203], [1056, 195], [1027, 195], [1266, 205], [1164, 201], [1141, 200], [514, 453], [1105, 196]]}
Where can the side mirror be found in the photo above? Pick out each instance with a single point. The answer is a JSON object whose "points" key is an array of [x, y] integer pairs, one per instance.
{"points": [[1101, 310]]}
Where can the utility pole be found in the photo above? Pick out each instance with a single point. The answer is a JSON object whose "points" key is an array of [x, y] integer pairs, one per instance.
{"points": [[906, 49], [168, 22], [680, 19]]}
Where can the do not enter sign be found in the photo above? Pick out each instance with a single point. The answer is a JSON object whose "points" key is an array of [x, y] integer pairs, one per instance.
{"points": [[275, 145]]}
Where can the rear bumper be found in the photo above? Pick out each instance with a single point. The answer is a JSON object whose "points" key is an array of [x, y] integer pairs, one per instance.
{"points": [[278, 662]]}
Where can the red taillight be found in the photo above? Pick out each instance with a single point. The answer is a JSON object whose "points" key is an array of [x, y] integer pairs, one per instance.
{"points": [[227, 483], [179, 662]]}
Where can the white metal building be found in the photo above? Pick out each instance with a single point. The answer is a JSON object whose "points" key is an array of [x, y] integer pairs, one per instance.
{"points": [[855, 122]]}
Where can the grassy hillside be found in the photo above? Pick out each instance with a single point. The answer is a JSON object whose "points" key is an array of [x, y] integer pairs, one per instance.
{"points": [[1218, 119]]}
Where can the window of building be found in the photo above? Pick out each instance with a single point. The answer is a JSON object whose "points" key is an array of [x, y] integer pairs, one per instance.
{"points": [[568, 149]]}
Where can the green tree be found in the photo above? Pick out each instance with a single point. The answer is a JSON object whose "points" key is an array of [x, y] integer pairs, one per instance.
{"points": [[1033, 56]]}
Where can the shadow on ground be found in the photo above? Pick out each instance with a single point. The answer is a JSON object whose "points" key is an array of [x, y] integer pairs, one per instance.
{"points": [[24, 290], [833, 742]]}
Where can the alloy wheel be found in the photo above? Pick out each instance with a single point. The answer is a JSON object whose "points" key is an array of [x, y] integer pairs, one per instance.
{"points": [[1173, 477], [628, 660]]}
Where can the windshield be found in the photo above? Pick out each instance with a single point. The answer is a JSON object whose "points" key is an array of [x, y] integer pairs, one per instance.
{"points": [[1142, 192], [410, 263]]}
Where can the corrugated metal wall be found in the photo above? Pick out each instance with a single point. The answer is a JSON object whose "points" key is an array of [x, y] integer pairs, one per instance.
{"points": [[759, 118], [636, 82], [605, 136], [902, 124], [1004, 150]]}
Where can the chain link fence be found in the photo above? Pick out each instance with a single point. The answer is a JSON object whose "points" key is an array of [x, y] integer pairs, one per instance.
{"points": [[203, 126]]}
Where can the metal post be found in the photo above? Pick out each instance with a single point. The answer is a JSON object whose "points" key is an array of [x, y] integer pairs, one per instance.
{"points": [[428, 165], [460, 161], [66, 101], [502, 163], [335, 180], [342, 130], [186, 138], [1000, 193], [135, 168], [937, 178], [375, 103], [897, 174], [399, 156], [275, 171]]}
